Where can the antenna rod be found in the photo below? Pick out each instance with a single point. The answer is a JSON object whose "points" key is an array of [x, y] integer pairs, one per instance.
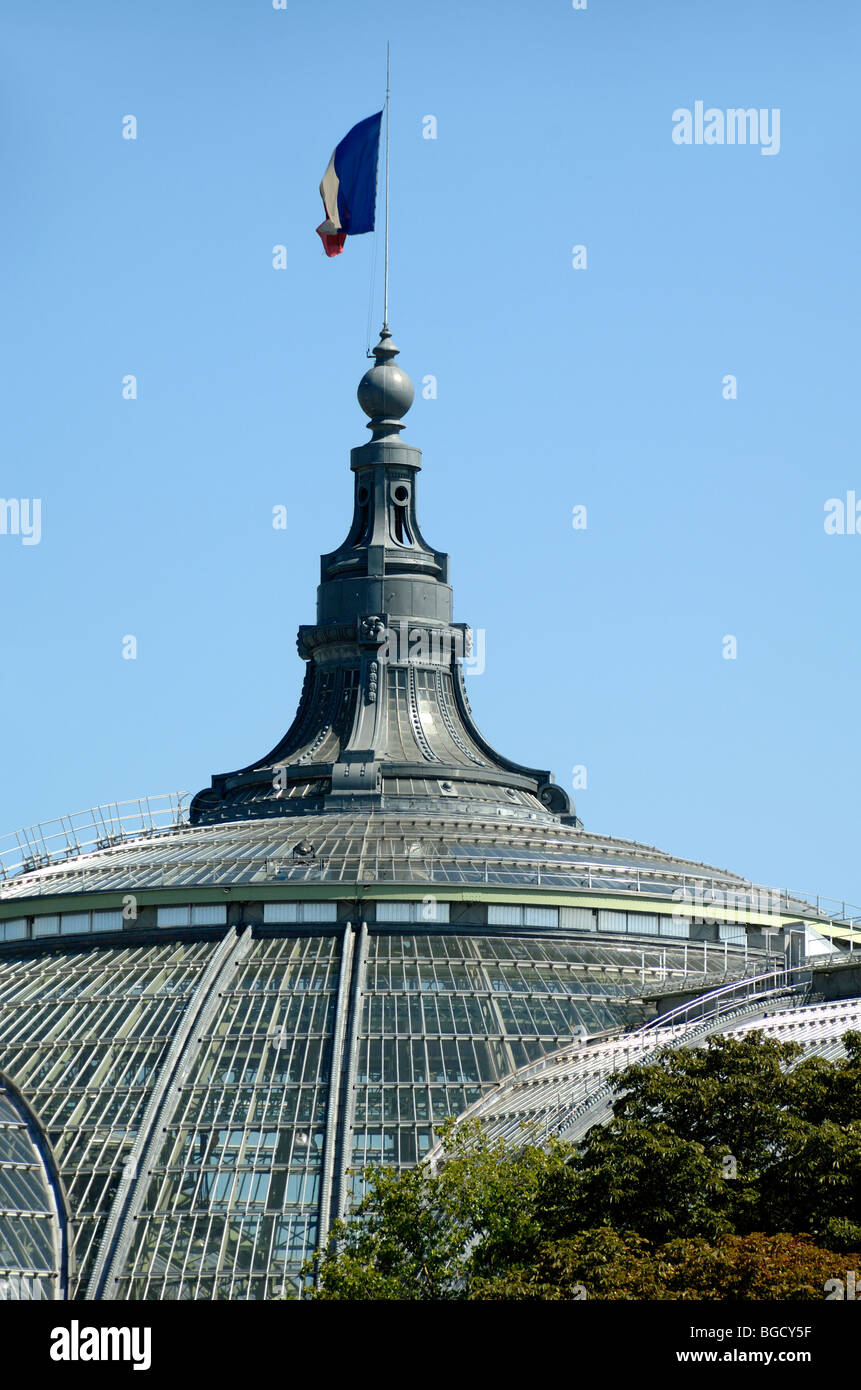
{"points": [[386, 272]]}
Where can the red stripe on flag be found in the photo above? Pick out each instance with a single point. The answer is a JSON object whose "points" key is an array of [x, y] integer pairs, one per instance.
{"points": [[333, 242]]}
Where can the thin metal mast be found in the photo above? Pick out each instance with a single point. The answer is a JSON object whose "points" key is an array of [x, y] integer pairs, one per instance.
{"points": [[386, 271]]}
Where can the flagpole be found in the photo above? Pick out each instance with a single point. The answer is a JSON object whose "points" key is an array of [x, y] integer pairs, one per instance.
{"points": [[386, 269]]}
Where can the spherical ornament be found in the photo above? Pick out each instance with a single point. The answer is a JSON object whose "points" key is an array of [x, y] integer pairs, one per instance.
{"points": [[385, 392]]}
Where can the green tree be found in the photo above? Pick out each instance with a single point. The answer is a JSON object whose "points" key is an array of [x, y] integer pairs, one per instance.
{"points": [[416, 1235], [729, 1139], [605, 1265], [732, 1170]]}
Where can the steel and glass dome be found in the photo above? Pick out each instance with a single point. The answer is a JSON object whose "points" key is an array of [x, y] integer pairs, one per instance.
{"points": [[212, 1013]]}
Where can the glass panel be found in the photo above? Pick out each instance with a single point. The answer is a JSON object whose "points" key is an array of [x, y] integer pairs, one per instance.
{"points": [[107, 921], [280, 912], [319, 912], [577, 918], [501, 915], [431, 910], [46, 926], [428, 909], [542, 917], [173, 916], [73, 923], [644, 923], [393, 912], [13, 930], [209, 914]]}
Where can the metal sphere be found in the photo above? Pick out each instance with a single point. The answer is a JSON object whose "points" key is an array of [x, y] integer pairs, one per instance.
{"points": [[385, 392]]}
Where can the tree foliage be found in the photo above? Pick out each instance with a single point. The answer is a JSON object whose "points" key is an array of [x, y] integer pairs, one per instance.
{"points": [[603, 1264], [724, 1173]]}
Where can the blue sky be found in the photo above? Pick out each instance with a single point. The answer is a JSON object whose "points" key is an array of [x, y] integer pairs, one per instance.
{"points": [[556, 387]]}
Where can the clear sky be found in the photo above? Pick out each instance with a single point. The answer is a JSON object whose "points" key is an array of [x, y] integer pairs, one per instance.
{"points": [[557, 387]]}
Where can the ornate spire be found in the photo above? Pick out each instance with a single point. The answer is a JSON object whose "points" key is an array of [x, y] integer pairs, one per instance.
{"points": [[383, 720]]}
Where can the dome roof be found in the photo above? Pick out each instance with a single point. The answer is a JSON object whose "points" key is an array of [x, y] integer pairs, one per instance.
{"points": [[208, 1025], [472, 845]]}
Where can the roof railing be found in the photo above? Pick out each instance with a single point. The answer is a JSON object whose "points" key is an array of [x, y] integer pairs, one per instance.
{"points": [[727, 998], [99, 827]]}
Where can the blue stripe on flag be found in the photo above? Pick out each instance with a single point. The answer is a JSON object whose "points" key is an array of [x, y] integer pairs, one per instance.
{"points": [[356, 166]]}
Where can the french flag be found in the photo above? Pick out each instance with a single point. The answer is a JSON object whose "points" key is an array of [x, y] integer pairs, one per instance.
{"points": [[349, 186]]}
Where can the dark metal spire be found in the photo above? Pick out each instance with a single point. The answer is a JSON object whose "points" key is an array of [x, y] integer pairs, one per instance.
{"points": [[383, 719]]}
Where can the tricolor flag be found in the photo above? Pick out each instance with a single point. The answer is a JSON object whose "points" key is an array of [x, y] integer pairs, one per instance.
{"points": [[349, 186]]}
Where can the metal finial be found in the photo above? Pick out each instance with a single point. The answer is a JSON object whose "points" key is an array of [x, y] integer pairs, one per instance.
{"points": [[385, 392]]}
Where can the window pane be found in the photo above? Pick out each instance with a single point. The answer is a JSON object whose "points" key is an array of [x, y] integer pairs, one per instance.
{"points": [[319, 912], [107, 921], [173, 916], [501, 915], [13, 930], [209, 914], [71, 923], [431, 910], [578, 918], [46, 926], [393, 912], [645, 923], [542, 917], [281, 912], [675, 926]]}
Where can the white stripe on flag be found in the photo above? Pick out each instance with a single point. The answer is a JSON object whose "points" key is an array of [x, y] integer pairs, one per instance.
{"points": [[329, 185]]}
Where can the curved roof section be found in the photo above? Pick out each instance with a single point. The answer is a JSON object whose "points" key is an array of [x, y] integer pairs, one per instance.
{"points": [[568, 1091], [502, 847]]}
